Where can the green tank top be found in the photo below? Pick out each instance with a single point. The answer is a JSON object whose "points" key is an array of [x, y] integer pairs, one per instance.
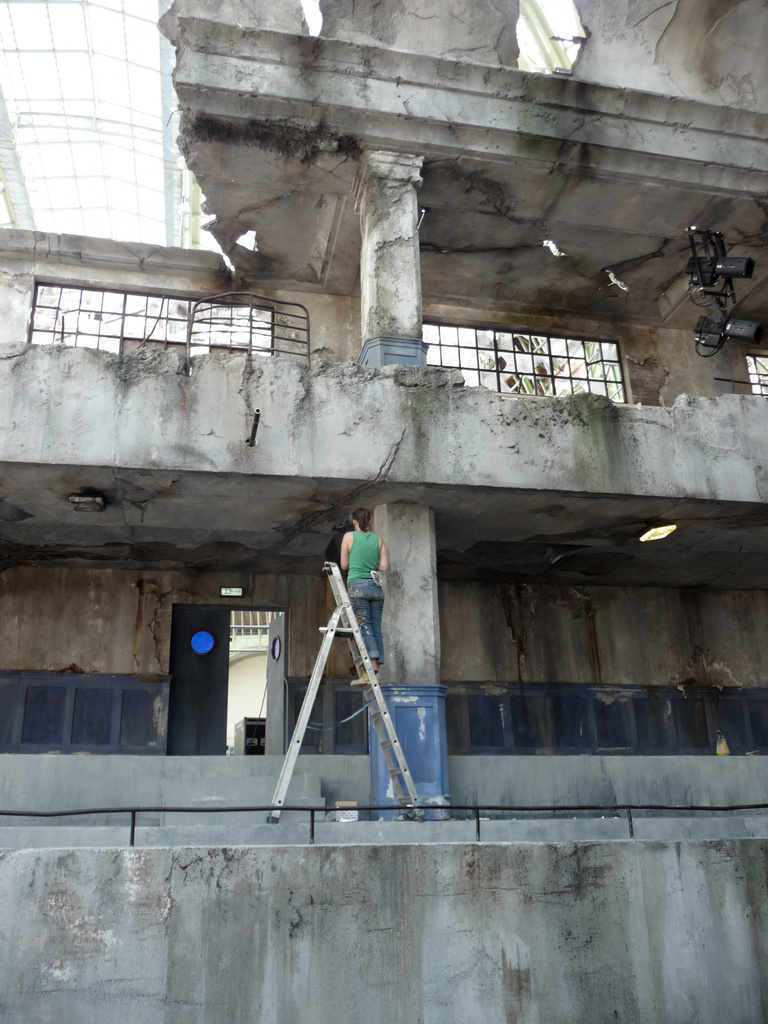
{"points": [[363, 556]]}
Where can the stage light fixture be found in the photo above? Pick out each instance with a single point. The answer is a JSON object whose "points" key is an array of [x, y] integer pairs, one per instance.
{"points": [[748, 331], [711, 272], [707, 271], [713, 332], [708, 332]]}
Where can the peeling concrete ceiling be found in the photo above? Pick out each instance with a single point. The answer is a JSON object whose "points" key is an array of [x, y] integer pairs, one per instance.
{"points": [[217, 522], [510, 159]]}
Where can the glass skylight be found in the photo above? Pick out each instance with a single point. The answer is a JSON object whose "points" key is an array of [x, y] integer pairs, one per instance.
{"points": [[88, 122], [81, 81]]}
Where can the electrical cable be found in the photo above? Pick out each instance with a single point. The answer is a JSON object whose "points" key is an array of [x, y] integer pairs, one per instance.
{"points": [[326, 728]]}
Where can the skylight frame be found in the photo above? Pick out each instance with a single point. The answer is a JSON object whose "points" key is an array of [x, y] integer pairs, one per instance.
{"points": [[139, 198]]}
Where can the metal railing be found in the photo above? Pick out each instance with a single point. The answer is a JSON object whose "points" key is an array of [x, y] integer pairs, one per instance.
{"points": [[475, 809], [244, 321], [121, 322]]}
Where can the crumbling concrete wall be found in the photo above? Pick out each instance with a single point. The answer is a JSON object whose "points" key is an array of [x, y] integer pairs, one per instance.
{"points": [[660, 363], [481, 31], [645, 933], [286, 16], [619, 636], [119, 621], [707, 50], [144, 411], [80, 262]]}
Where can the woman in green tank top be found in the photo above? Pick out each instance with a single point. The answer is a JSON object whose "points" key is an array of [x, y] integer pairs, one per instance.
{"points": [[364, 554]]}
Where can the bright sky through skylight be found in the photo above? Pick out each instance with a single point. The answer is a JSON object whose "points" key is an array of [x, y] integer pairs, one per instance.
{"points": [[87, 146], [81, 82]]}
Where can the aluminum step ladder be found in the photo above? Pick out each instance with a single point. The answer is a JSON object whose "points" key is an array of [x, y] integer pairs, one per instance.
{"points": [[343, 623]]}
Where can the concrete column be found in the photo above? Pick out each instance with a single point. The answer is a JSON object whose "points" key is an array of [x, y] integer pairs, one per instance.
{"points": [[410, 675], [390, 270], [411, 623]]}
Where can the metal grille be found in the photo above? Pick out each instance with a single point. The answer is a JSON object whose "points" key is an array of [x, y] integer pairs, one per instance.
{"points": [[758, 374], [110, 321], [528, 364], [120, 322]]}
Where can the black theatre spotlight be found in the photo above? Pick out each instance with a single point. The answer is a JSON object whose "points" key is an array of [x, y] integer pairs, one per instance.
{"points": [[708, 332], [712, 332], [705, 271], [711, 272], [734, 266], [743, 330]]}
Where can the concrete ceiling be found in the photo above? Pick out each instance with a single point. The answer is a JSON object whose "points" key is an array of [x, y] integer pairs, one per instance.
{"points": [[222, 522], [482, 237], [612, 178]]}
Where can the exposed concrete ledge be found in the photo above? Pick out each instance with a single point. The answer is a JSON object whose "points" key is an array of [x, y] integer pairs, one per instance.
{"points": [[503, 113], [411, 425], [85, 251]]}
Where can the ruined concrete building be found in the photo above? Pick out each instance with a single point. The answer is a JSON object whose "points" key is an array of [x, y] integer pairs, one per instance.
{"points": [[462, 301]]}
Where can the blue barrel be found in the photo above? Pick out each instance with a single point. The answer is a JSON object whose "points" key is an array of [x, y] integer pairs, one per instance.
{"points": [[418, 713]]}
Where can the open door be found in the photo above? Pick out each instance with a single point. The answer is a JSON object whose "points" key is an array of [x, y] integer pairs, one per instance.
{"points": [[199, 666], [276, 692]]}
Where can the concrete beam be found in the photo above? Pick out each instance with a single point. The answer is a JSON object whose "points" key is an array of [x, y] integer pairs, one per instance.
{"points": [[417, 103]]}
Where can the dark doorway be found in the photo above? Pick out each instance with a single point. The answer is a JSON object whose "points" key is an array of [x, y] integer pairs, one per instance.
{"points": [[199, 667]]}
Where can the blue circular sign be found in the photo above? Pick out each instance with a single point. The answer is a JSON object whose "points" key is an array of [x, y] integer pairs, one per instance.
{"points": [[202, 642], [276, 648]]}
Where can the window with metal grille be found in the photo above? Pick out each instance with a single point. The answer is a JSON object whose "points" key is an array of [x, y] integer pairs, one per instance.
{"points": [[514, 363], [757, 366], [111, 321], [120, 322]]}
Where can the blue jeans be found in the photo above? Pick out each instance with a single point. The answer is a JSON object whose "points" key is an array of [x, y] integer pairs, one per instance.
{"points": [[368, 603]]}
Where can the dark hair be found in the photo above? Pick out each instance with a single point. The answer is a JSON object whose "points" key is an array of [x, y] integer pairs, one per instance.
{"points": [[363, 519]]}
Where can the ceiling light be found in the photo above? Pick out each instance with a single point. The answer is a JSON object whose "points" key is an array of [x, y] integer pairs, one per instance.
{"points": [[616, 281], [658, 532], [87, 502], [548, 243]]}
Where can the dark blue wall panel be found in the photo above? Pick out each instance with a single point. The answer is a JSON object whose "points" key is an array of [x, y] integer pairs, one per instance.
{"points": [[90, 713]]}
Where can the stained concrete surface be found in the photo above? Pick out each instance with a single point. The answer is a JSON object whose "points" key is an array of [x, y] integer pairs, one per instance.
{"points": [[274, 125], [643, 932], [707, 51], [492, 633], [216, 786], [558, 478], [482, 31]]}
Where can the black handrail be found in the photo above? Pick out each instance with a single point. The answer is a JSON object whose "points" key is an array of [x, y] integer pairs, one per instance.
{"points": [[626, 808]]}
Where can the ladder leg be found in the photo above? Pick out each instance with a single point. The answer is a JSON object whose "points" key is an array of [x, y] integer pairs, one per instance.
{"points": [[302, 721]]}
